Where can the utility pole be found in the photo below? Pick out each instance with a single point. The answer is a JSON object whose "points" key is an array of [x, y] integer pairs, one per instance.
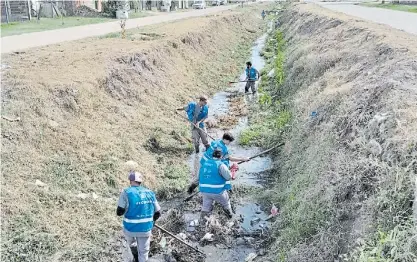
{"points": [[29, 11], [7, 10]]}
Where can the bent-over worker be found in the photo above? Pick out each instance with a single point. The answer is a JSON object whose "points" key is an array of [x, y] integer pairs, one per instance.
{"points": [[226, 158], [252, 75], [140, 209], [197, 113], [212, 181]]}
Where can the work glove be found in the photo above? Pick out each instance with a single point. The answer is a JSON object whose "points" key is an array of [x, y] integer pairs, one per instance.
{"points": [[233, 169]]}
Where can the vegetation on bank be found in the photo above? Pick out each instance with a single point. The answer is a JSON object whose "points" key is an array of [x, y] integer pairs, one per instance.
{"points": [[397, 7], [321, 187]]}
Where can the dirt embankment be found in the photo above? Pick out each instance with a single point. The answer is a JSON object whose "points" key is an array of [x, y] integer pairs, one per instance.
{"points": [[85, 108], [346, 179]]}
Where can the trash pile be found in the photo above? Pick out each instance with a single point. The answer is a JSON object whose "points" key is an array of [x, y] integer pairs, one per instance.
{"points": [[212, 234]]}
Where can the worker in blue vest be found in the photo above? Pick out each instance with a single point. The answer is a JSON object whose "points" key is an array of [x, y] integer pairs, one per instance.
{"points": [[140, 209], [263, 14], [213, 176], [252, 75], [226, 158], [197, 113]]}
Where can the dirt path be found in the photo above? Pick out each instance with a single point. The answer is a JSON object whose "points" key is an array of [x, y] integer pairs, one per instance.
{"points": [[397, 19], [19, 42]]}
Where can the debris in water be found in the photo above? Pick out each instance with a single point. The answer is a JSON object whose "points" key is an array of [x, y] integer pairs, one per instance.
{"points": [[240, 241], [208, 237], [182, 236], [190, 228], [250, 257], [194, 223], [163, 242], [255, 221], [249, 240]]}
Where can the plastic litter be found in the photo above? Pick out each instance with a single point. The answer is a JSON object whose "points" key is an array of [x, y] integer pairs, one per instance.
{"points": [[208, 237], [182, 236], [233, 169], [250, 257]]}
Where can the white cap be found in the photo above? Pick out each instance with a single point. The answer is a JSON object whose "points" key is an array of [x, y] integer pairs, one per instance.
{"points": [[135, 176]]}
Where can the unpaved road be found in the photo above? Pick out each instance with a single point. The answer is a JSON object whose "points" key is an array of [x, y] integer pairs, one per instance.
{"points": [[19, 42], [397, 19]]}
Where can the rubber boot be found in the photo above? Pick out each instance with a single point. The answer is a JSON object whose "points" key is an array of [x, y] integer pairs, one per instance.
{"points": [[135, 254], [192, 187], [207, 147], [197, 149]]}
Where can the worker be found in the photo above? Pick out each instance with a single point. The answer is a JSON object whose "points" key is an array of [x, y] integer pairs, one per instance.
{"points": [[197, 113], [140, 209], [212, 181], [226, 158], [263, 14], [252, 75]]}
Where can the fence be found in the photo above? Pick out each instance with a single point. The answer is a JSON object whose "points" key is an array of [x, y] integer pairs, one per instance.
{"points": [[12, 11]]}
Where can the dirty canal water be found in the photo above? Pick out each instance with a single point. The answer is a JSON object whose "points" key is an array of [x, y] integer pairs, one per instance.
{"points": [[240, 238], [252, 220]]}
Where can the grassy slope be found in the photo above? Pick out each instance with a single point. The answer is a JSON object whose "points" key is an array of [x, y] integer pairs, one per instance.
{"points": [[398, 7], [344, 181], [86, 107]]}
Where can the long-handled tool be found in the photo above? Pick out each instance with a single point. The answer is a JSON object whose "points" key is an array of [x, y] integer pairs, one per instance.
{"points": [[198, 127], [241, 162], [261, 153], [180, 240], [241, 81]]}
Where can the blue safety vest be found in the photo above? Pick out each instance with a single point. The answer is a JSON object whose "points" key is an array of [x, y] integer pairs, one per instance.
{"points": [[225, 152], [251, 73], [203, 113], [139, 216], [210, 180]]}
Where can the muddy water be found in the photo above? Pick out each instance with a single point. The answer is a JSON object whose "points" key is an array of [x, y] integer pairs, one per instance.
{"points": [[252, 217], [248, 214]]}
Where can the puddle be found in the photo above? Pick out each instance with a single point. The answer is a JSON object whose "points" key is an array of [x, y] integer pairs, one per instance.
{"points": [[252, 218]]}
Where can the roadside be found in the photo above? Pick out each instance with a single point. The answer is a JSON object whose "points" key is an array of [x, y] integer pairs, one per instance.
{"points": [[20, 42], [340, 92], [400, 20], [397, 7], [44, 24]]}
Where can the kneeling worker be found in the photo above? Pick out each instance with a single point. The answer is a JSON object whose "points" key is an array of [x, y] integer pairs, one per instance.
{"points": [[213, 176], [141, 210]]}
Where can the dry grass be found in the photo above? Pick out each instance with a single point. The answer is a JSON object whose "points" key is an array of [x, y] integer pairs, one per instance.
{"points": [[87, 107], [345, 179]]}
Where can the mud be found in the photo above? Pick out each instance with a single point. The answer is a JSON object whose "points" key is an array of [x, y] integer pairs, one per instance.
{"points": [[248, 231]]}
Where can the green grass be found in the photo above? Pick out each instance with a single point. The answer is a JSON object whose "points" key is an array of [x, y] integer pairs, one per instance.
{"points": [[18, 28], [398, 7], [44, 24]]}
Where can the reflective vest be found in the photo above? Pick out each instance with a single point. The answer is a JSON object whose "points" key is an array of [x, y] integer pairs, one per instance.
{"points": [[251, 73], [203, 113], [225, 152], [210, 180], [139, 216]]}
